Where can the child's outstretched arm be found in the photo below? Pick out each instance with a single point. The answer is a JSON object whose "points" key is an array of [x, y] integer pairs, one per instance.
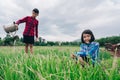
{"points": [[82, 51], [21, 20]]}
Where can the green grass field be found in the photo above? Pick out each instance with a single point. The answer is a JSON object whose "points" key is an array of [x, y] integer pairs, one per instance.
{"points": [[54, 63]]}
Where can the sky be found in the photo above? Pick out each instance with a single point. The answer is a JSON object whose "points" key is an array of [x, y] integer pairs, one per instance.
{"points": [[64, 20]]}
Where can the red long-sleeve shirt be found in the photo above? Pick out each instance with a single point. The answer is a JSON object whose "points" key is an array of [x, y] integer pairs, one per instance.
{"points": [[31, 26]]}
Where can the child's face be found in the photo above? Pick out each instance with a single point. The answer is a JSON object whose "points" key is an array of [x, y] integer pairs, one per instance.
{"points": [[86, 38], [34, 14]]}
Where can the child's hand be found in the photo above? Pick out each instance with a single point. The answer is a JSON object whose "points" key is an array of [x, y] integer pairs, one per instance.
{"points": [[16, 25], [37, 40]]}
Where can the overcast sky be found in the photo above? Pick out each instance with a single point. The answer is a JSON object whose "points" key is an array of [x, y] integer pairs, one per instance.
{"points": [[64, 20]]}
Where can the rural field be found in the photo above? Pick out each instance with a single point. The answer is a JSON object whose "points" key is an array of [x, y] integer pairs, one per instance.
{"points": [[54, 63]]}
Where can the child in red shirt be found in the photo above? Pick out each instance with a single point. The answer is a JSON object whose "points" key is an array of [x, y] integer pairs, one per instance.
{"points": [[31, 29]]}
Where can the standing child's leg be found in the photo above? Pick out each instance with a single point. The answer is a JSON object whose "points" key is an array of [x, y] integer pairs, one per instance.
{"points": [[26, 48], [31, 48]]}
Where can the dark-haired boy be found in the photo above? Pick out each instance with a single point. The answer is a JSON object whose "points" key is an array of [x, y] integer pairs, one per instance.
{"points": [[31, 29]]}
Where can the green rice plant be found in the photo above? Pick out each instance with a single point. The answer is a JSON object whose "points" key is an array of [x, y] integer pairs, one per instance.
{"points": [[53, 63]]}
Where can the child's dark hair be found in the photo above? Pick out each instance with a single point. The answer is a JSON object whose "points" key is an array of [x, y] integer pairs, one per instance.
{"points": [[87, 31], [36, 10]]}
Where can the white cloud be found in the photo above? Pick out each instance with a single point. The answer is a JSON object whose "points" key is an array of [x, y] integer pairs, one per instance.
{"points": [[64, 20]]}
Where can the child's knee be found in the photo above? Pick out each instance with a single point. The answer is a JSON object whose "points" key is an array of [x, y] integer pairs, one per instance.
{"points": [[31, 45], [26, 45], [80, 59], [73, 56]]}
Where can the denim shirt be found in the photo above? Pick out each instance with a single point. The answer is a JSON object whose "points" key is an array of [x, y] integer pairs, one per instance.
{"points": [[91, 50]]}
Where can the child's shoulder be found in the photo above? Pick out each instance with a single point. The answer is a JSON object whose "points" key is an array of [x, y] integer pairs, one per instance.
{"points": [[92, 43], [28, 16], [83, 45], [95, 43]]}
